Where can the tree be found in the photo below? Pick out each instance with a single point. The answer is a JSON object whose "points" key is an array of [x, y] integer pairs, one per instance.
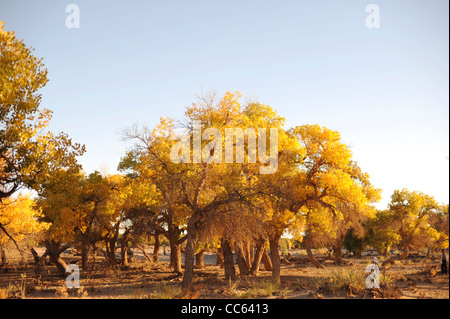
{"points": [[151, 167], [28, 153], [380, 232], [328, 189], [59, 202], [410, 212], [20, 219]]}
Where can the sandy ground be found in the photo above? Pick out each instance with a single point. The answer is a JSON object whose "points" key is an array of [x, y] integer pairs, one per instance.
{"points": [[411, 279]]}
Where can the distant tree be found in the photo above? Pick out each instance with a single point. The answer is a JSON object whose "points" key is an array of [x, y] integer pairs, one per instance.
{"points": [[410, 213], [354, 242], [381, 233]]}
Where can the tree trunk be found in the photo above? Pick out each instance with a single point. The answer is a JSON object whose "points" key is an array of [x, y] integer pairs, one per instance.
{"points": [[247, 250], [175, 257], [3, 256], [54, 250], [189, 258], [84, 255], [156, 247], [260, 249], [219, 261], [243, 267], [266, 260], [338, 252], [199, 262], [310, 254], [405, 251], [124, 249], [228, 259], [275, 255], [111, 251]]}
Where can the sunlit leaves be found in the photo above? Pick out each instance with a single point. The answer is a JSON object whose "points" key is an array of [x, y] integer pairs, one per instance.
{"points": [[20, 218], [28, 153]]}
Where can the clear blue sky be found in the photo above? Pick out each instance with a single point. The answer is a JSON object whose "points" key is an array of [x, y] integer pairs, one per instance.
{"points": [[385, 89]]}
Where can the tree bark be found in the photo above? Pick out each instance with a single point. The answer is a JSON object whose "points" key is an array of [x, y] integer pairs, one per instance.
{"points": [[228, 259], [275, 255]]}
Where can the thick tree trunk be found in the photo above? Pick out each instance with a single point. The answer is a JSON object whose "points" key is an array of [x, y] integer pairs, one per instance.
{"points": [[199, 259], [228, 260], [338, 253], [175, 257], [111, 251], [275, 255], [310, 254]]}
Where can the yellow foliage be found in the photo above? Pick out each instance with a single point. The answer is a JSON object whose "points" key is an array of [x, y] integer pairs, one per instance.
{"points": [[20, 218]]}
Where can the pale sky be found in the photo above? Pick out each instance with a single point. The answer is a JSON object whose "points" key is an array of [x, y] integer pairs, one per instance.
{"points": [[384, 89]]}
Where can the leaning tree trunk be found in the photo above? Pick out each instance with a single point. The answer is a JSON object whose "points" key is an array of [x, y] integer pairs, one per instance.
{"points": [[310, 254], [228, 260], [260, 250], [54, 250], [242, 264], [248, 251], [275, 254], [266, 261]]}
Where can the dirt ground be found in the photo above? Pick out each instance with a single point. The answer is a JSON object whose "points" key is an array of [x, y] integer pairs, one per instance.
{"points": [[413, 278]]}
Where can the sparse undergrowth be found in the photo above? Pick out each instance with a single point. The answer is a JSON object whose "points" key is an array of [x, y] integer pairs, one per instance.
{"points": [[157, 281]]}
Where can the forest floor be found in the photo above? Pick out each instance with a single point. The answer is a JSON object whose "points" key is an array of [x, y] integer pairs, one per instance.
{"points": [[413, 278]]}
